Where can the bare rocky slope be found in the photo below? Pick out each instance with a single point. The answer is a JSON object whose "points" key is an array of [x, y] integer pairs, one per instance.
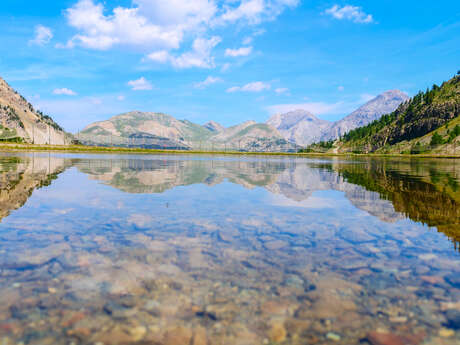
{"points": [[303, 128], [19, 121], [299, 126]]}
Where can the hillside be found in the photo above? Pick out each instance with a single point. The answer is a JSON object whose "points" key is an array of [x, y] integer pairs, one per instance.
{"points": [[369, 112], [161, 131], [303, 128], [20, 122], [415, 122]]}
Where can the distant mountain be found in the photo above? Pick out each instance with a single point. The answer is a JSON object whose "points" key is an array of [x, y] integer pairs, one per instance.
{"points": [[214, 126], [303, 128], [383, 104], [20, 122], [156, 130], [429, 114], [299, 126], [137, 128]]}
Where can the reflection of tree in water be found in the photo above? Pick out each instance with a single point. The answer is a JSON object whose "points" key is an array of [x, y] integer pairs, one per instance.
{"points": [[421, 192]]}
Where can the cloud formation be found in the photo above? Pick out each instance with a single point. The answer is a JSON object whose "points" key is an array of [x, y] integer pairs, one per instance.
{"points": [[348, 12], [243, 51], [208, 81], [199, 56], [161, 26], [281, 90], [43, 35], [64, 91], [256, 86], [140, 84]]}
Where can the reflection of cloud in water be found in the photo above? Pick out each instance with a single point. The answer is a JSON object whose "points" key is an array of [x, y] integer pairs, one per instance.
{"points": [[316, 201], [141, 220]]}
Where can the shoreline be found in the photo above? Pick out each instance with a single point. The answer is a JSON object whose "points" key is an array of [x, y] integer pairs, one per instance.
{"points": [[125, 150]]}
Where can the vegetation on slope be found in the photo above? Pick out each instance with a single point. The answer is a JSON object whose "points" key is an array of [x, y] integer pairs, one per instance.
{"points": [[424, 113]]}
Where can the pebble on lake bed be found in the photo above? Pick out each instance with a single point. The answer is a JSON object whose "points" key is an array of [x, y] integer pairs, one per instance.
{"points": [[446, 333], [333, 336]]}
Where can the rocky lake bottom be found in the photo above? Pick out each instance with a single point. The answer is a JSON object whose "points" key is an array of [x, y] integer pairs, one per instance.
{"points": [[204, 250]]}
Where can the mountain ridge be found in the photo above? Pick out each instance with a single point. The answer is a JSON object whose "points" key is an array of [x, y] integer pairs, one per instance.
{"points": [[304, 128]]}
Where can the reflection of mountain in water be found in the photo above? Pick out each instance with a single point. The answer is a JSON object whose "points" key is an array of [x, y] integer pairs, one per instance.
{"points": [[19, 177], [423, 191]]}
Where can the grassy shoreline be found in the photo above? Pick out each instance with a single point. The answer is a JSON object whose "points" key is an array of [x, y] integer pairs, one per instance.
{"points": [[123, 150]]}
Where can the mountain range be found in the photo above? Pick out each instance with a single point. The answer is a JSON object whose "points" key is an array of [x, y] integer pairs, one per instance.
{"points": [[288, 132], [304, 128], [157, 130]]}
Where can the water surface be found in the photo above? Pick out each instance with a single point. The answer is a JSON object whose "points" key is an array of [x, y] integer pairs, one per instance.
{"points": [[227, 250]]}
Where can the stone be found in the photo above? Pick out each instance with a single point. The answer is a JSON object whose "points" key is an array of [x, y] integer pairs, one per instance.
{"points": [[80, 332], [178, 336], [277, 332], [385, 338], [138, 332], [199, 336], [446, 333], [333, 336], [71, 319], [398, 319]]}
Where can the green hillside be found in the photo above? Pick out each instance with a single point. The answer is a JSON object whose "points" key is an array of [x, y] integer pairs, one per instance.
{"points": [[431, 113]]}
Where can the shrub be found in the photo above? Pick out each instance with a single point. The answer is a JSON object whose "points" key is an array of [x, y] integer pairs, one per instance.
{"points": [[436, 139]]}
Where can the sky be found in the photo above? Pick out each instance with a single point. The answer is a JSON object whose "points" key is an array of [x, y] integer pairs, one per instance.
{"points": [[228, 61]]}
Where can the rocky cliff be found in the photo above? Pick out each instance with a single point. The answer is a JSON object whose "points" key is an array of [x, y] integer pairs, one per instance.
{"points": [[20, 122]]}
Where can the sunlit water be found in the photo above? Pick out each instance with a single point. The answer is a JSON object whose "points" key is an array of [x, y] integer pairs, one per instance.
{"points": [[195, 250]]}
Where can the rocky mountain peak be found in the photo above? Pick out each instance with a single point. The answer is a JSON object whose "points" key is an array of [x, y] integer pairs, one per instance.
{"points": [[214, 126]]}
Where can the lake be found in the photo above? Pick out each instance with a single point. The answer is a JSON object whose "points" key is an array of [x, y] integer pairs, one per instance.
{"points": [[237, 250]]}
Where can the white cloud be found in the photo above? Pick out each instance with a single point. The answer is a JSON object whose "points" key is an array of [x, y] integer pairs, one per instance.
{"points": [[161, 26], [140, 84], [256, 86], [160, 56], [43, 35], [317, 108], [248, 40], [121, 98], [340, 88], [243, 51], [185, 13], [64, 91], [200, 55], [225, 67], [255, 11], [208, 81], [281, 90], [348, 12], [126, 26]]}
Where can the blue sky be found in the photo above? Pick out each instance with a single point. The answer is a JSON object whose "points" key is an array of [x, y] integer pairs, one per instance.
{"points": [[222, 60]]}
